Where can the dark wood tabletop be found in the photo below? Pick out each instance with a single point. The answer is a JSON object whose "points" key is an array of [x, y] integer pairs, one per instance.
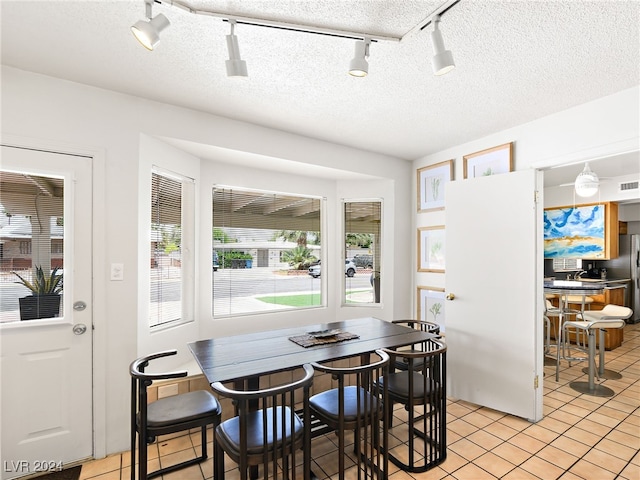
{"points": [[249, 355]]}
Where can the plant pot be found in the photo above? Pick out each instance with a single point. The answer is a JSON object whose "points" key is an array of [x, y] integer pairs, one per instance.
{"points": [[39, 306]]}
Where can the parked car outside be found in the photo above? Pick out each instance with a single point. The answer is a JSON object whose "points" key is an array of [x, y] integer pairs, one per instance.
{"points": [[216, 265], [363, 260], [349, 269]]}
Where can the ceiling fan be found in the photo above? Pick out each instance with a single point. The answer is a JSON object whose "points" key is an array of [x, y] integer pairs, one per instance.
{"points": [[586, 183]]}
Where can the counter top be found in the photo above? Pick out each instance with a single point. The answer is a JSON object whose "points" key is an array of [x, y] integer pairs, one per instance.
{"points": [[608, 282], [574, 285]]}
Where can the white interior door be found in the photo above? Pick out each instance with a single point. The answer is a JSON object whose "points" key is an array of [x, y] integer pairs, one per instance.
{"points": [[494, 270], [46, 364]]}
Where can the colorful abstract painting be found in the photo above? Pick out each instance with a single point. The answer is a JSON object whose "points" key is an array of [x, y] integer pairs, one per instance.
{"points": [[574, 232]]}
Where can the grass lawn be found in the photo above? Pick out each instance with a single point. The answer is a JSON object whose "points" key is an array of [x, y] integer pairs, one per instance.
{"points": [[300, 300], [305, 300]]}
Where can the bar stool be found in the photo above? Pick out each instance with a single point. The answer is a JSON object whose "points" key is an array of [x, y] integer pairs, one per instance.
{"points": [[608, 310], [611, 316]]}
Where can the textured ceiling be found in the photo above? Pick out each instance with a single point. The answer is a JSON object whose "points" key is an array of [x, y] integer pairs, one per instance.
{"points": [[516, 61]]}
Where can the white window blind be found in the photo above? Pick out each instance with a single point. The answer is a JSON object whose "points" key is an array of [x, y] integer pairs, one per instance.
{"points": [[263, 245], [170, 242], [363, 233]]}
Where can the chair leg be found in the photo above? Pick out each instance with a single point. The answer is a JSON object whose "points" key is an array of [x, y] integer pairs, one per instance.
{"points": [[601, 371], [218, 459]]}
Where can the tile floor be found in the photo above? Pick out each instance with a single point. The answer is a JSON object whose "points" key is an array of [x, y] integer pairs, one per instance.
{"points": [[580, 437]]}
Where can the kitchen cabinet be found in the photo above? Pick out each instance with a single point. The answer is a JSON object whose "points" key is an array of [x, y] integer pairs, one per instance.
{"points": [[614, 295]]}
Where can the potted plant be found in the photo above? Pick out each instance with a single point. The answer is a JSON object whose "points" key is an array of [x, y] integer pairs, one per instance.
{"points": [[45, 299]]}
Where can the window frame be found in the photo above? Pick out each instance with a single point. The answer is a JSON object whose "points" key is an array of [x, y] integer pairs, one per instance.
{"points": [[187, 249]]}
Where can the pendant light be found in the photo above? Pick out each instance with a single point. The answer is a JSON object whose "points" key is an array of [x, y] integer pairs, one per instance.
{"points": [[587, 182]]}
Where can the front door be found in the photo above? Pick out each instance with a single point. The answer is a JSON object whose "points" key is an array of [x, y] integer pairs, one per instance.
{"points": [[46, 363], [494, 282]]}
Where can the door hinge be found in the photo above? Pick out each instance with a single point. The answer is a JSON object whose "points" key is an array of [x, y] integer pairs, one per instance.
{"points": [[536, 196], [535, 383]]}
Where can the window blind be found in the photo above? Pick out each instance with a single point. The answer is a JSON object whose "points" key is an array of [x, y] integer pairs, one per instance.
{"points": [[263, 245]]}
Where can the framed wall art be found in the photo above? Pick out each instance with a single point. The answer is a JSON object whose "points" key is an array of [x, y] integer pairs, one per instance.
{"points": [[431, 182], [431, 249], [587, 231], [492, 161], [431, 306]]}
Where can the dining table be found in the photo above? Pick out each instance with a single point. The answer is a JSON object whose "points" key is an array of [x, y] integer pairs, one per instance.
{"points": [[563, 288], [250, 355]]}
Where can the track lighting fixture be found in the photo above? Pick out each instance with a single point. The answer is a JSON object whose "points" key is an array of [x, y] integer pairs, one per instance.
{"points": [[442, 60], [147, 32], [587, 182], [236, 67], [359, 66]]}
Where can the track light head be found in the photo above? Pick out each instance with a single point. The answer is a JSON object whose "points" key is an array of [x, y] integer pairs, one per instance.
{"points": [[359, 66], [147, 32], [236, 67], [442, 60], [587, 182]]}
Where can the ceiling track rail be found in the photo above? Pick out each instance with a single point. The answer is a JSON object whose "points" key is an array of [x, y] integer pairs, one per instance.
{"points": [[267, 23]]}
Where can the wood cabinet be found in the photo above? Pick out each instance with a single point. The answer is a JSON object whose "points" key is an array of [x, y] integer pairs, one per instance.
{"points": [[613, 294]]}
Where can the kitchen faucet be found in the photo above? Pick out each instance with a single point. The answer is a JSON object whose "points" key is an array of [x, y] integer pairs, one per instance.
{"points": [[578, 275]]}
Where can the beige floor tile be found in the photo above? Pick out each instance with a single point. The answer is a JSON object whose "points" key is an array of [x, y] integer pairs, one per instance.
{"points": [[588, 471], [501, 430], [571, 446], [485, 439], [557, 457], [542, 468], [495, 465], [473, 472], [527, 443], [467, 449], [511, 453], [520, 474], [605, 460]]}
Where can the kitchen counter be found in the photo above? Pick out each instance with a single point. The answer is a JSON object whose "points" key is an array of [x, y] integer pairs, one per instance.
{"points": [[608, 283], [610, 291]]}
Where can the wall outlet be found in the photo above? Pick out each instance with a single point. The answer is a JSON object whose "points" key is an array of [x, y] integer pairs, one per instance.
{"points": [[167, 390]]}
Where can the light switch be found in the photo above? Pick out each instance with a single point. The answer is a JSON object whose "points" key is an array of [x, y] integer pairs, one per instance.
{"points": [[117, 271]]}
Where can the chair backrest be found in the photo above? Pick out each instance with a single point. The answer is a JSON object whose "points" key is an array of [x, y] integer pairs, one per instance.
{"points": [[359, 403], [423, 325], [266, 426], [141, 380]]}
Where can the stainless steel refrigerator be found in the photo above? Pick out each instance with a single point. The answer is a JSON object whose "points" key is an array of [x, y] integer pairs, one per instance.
{"points": [[627, 265]]}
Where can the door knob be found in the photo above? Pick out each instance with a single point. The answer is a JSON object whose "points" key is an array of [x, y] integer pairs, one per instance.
{"points": [[450, 296], [79, 328]]}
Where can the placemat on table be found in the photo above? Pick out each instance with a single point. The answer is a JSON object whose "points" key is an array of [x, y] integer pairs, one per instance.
{"points": [[307, 340]]}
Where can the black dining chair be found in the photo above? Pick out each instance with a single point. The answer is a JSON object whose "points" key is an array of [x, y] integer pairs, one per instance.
{"points": [[177, 413], [266, 429], [400, 363], [421, 388], [357, 404]]}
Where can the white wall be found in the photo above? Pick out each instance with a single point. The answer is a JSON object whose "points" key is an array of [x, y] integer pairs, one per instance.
{"points": [[121, 128], [603, 127]]}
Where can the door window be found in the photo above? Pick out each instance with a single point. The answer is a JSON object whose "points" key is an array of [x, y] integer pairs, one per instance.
{"points": [[32, 238]]}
